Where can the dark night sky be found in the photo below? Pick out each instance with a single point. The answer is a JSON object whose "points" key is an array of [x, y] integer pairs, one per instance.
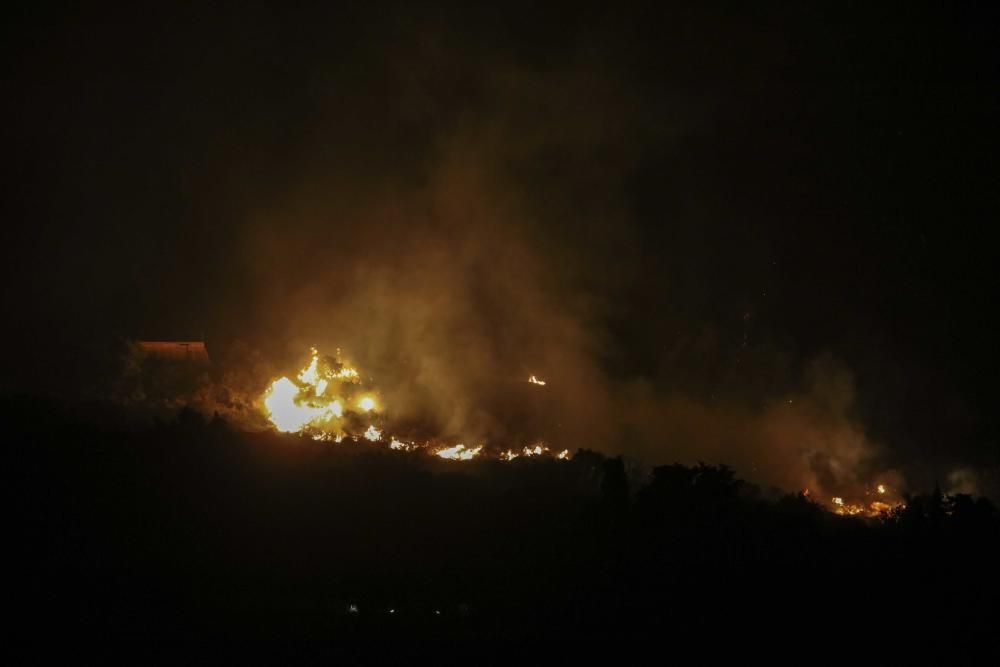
{"points": [[715, 198]]}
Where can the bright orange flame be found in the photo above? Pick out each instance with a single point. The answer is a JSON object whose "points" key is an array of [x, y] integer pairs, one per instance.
{"points": [[315, 403], [873, 509], [324, 401], [285, 411], [459, 452]]}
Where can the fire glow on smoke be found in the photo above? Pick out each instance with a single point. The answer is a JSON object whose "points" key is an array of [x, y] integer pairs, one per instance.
{"points": [[328, 401]]}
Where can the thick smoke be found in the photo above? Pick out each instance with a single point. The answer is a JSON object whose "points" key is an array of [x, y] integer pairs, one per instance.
{"points": [[669, 216], [808, 440], [495, 246]]}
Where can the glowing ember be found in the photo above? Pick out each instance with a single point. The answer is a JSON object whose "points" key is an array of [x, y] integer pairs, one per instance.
{"points": [[459, 452], [373, 434], [873, 509], [881, 489], [367, 403], [850, 509], [563, 455], [534, 380]]}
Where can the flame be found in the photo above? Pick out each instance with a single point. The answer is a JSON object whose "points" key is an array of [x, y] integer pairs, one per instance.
{"points": [[873, 509], [537, 450], [323, 401], [847, 509], [315, 402], [459, 452], [310, 374], [327, 401], [285, 412]]}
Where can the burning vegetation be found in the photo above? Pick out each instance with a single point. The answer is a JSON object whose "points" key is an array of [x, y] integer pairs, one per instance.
{"points": [[325, 400], [328, 401]]}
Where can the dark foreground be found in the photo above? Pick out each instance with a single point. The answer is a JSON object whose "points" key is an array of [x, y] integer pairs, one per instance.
{"points": [[193, 530]]}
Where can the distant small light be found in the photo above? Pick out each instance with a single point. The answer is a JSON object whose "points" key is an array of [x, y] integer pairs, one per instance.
{"points": [[437, 612], [352, 609], [392, 611]]}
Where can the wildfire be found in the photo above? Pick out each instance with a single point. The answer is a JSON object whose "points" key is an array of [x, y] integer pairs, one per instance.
{"points": [[285, 412], [847, 509], [459, 453], [315, 403], [399, 445], [871, 509], [529, 452], [327, 401]]}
